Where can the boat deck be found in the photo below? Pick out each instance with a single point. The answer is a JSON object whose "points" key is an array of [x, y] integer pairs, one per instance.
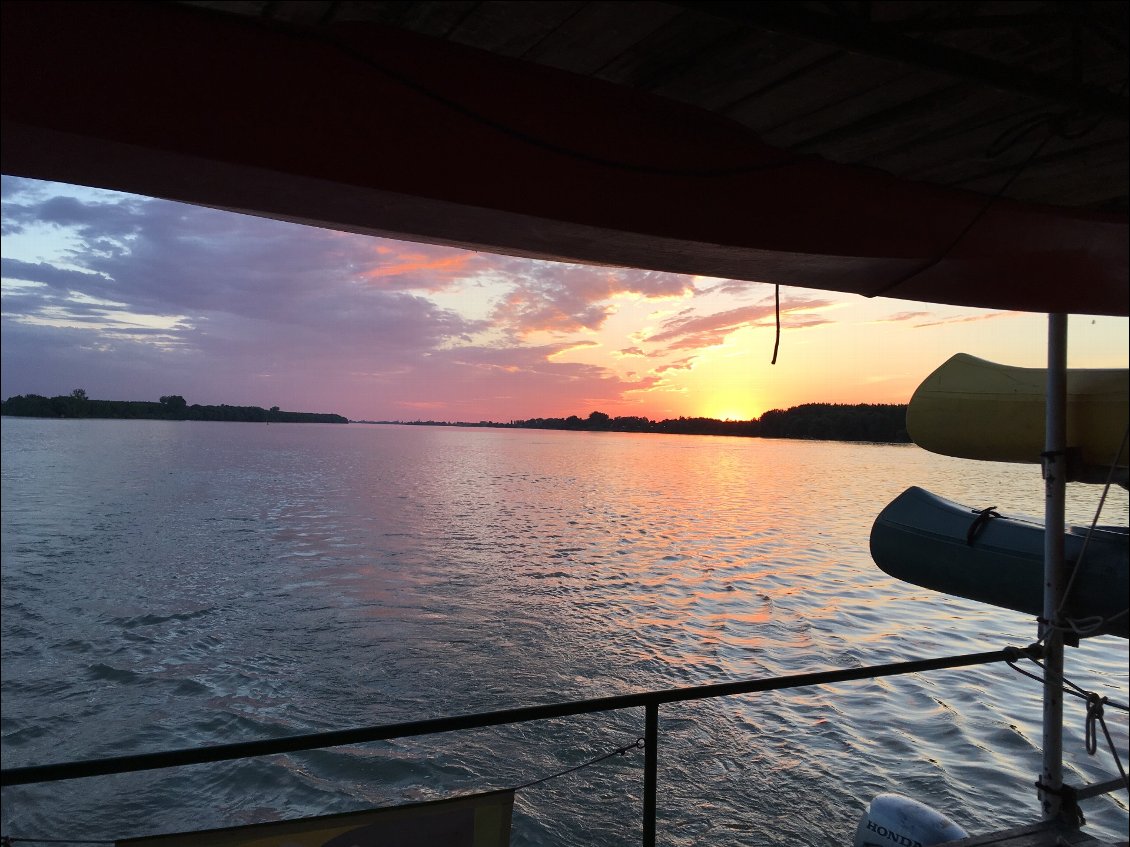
{"points": [[1034, 835]]}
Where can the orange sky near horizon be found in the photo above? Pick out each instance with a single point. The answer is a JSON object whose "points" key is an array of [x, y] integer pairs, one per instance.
{"points": [[132, 298]]}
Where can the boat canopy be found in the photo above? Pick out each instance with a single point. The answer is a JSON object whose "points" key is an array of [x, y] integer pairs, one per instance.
{"points": [[366, 127]]}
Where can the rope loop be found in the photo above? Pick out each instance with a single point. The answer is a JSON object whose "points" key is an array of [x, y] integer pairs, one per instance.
{"points": [[1096, 704], [1094, 716]]}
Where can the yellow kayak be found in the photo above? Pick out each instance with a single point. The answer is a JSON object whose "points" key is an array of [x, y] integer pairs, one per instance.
{"points": [[974, 409]]}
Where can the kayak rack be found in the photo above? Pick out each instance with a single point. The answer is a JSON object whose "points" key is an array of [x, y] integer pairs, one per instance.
{"points": [[650, 701]]}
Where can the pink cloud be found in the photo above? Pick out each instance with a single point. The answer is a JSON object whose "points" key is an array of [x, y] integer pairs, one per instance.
{"points": [[504, 383], [903, 316], [679, 365], [403, 267], [737, 286], [962, 319], [693, 332]]}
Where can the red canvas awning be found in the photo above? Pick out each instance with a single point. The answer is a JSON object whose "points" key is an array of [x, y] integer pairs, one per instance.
{"points": [[370, 129]]}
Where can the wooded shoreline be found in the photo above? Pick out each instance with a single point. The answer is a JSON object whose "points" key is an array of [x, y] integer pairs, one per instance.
{"points": [[879, 423], [169, 408]]}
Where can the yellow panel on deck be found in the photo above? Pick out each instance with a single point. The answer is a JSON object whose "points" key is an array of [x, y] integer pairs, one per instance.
{"points": [[480, 820]]}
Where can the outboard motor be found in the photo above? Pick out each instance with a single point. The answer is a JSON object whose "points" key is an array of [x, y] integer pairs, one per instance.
{"points": [[896, 821]]}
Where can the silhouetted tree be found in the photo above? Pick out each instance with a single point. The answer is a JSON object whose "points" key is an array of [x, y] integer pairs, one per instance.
{"points": [[598, 420]]}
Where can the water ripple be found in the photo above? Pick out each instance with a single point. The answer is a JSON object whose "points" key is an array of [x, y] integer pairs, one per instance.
{"points": [[168, 586]]}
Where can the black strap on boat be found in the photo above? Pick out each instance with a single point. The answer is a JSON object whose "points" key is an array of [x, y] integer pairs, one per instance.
{"points": [[983, 517]]}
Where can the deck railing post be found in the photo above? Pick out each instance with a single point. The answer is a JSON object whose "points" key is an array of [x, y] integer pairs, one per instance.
{"points": [[650, 771], [1055, 571]]}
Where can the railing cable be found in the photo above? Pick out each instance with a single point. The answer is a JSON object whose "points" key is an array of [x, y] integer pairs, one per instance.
{"points": [[650, 700], [385, 732], [1087, 540], [619, 751], [623, 750], [1095, 707]]}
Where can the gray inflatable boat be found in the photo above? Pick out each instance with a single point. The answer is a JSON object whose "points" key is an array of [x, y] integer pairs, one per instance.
{"points": [[929, 541]]}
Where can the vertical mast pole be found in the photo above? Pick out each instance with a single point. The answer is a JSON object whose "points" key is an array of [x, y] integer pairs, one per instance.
{"points": [[1055, 571]]}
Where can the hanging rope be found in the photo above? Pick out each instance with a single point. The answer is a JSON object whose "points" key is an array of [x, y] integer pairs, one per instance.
{"points": [[777, 311], [1086, 540]]}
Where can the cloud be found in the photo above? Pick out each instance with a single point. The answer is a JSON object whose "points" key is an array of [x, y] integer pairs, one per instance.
{"points": [[689, 331], [962, 319], [51, 276], [160, 258], [132, 298], [418, 267], [220, 301], [903, 316], [678, 365], [561, 298], [935, 320], [732, 287], [471, 383]]}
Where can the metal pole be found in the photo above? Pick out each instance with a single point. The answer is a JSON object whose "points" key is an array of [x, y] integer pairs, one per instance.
{"points": [[1055, 571], [650, 772]]}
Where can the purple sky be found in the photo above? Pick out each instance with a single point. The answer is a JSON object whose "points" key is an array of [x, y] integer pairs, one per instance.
{"points": [[132, 298]]}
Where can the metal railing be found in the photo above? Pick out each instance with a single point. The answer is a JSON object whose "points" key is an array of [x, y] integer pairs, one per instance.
{"points": [[649, 700]]}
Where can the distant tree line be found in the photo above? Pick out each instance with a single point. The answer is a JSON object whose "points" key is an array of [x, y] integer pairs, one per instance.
{"points": [[171, 407], [885, 423]]}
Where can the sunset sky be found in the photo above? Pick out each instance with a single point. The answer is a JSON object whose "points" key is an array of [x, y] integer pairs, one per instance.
{"points": [[132, 298]]}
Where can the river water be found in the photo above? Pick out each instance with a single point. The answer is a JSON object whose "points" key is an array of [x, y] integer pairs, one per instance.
{"points": [[168, 585]]}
